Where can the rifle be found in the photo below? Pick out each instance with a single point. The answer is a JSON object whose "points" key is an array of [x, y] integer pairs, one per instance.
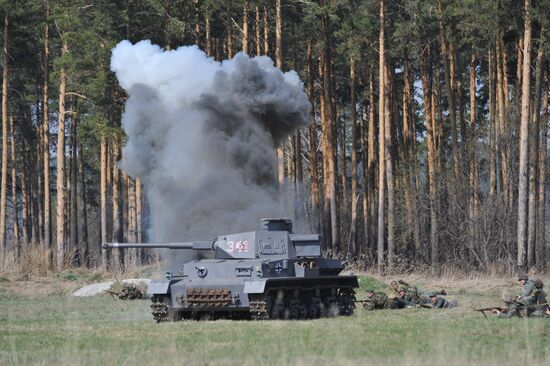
{"points": [[483, 310], [113, 293]]}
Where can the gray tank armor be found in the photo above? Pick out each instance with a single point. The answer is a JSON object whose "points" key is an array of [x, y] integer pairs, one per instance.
{"points": [[265, 274]]}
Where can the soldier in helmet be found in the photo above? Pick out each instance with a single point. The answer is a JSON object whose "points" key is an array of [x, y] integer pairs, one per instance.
{"points": [[130, 292], [404, 291], [532, 295], [411, 294], [379, 300]]}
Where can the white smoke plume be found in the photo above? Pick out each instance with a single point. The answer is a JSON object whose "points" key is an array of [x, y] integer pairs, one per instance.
{"points": [[202, 135]]}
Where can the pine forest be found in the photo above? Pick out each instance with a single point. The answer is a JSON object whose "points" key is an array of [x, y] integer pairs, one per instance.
{"points": [[427, 146]]}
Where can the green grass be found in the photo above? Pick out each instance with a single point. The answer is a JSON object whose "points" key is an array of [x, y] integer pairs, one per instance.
{"points": [[64, 330]]}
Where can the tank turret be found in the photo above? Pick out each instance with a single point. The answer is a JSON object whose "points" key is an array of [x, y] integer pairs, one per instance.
{"points": [[270, 273]]}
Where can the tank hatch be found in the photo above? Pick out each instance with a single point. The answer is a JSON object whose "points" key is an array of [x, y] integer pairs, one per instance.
{"points": [[277, 224]]}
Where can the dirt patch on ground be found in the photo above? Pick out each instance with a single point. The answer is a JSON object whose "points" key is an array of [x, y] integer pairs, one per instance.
{"points": [[100, 288]]}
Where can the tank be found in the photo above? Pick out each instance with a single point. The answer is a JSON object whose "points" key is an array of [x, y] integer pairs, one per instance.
{"points": [[270, 273]]}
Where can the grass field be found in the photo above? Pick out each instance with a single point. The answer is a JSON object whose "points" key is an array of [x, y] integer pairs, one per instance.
{"points": [[41, 324]]}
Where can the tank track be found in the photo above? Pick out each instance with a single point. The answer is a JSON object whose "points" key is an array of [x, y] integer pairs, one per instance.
{"points": [[159, 308], [302, 303], [276, 303]]}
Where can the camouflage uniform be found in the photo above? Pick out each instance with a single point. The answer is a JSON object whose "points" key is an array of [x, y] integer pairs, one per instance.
{"points": [[527, 303], [411, 295], [379, 300], [130, 292]]}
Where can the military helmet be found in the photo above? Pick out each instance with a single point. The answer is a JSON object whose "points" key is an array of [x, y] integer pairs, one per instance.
{"points": [[538, 283], [523, 277]]}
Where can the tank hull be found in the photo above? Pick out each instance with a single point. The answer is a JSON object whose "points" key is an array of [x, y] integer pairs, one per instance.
{"points": [[266, 298]]}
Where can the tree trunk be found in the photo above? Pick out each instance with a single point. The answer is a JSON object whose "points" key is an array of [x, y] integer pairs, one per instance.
{"points": [[330, 152], [25, 204], [15, 206], [329, 164], [5, 125], [523, 138], [382, 141], [279, 64], [60, 157], [132, 237], [35, 220], [325, 220], [103, 202], [208, 36], [542, 249], [139, 218], [278, 35], [371, 166], [229, 29], [74, 193], [519, 64], [533, 159], [109, 186], [492, 126], [197, 30], [473, 206], [118, 255], [388, 134], [266, 31], [313, 162], [505, 79], [299, 176], [439, 131], [342, 166], [257, 38], [83, 211], [47, 208], [363, 133], [246, 36], [426, 76], [36, 197], [289, 172], [450, 95], [409, 141], [459, 99], [502, 150], [354, 195]]}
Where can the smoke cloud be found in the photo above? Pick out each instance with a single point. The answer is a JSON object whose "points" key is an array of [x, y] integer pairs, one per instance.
{"points": [[202, 135]]}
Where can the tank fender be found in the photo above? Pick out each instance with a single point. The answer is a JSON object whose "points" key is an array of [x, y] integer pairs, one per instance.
{"points": [[254, 286], [158, 287]]}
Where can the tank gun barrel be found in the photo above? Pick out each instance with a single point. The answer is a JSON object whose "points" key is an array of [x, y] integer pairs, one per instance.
{"points": [[195, 245]]}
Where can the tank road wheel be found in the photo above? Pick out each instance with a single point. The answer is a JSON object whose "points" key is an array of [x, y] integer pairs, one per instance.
{"points": [[159, 308], [316, 307], [331, 301], [278, 310], [294, 304], [346, 301]]}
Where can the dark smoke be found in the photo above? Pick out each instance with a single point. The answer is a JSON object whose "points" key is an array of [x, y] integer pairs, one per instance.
{"points": [[202, 136]]}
